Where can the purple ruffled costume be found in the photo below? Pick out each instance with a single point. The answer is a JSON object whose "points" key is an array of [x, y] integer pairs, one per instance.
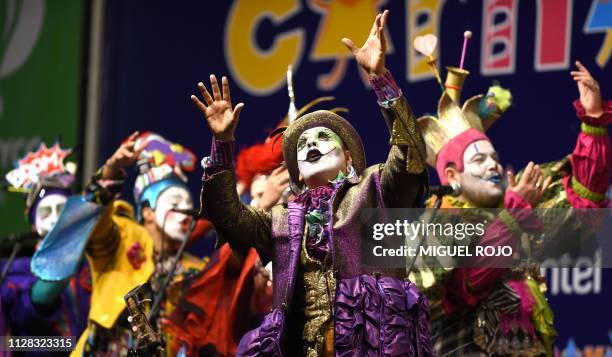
{"points": [[375, 311], [372, 314]]}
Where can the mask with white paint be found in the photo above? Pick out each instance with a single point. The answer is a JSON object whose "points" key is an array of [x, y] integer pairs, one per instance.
{"points": [[482, 176], [174, 224], [320, 155], [48, 210]]}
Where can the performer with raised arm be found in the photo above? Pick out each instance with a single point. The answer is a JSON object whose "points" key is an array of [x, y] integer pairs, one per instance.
{"points": [[581, 180], [32, 306], [126, 250], [325, 301], [484, 311]]}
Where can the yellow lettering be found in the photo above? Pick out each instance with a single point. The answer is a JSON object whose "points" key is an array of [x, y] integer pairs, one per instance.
{"points": [[256, 70]]}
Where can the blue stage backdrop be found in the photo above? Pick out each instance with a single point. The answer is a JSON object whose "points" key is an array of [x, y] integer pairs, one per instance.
{"points": [[155, 53]]}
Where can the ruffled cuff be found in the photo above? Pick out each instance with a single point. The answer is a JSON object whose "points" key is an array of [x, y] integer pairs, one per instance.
{"points": [[596, 125], [221, 158], [104, 191], [385, 88]]}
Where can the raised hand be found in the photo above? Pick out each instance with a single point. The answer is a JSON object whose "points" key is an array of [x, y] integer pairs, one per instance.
{"points": [[532, 184], [221, 118], [276, 183], [371, 56], [590, 94], [126, 155]]}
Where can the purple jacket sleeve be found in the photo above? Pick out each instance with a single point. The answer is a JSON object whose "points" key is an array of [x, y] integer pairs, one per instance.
{"points": [[385, 88], [221, 158]]}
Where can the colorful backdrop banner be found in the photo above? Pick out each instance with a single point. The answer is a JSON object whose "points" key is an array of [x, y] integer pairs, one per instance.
{"points": [[156, 52]]}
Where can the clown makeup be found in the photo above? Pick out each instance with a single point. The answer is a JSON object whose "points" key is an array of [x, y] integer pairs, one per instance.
{"points": [[258, 187], [175, 225], [481, 178], [320, 155], [48, 211]]}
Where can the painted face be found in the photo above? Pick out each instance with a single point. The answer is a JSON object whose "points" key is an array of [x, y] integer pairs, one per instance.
{"points": [[258, 187], [48, 211], [176, 225], [320, 154], [481, 178]]}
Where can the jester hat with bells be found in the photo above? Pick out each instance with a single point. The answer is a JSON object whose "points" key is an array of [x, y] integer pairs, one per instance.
{"points": [[447, 136]]}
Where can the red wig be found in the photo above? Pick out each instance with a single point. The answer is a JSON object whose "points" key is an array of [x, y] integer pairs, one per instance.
{"points": [[259, 159]]}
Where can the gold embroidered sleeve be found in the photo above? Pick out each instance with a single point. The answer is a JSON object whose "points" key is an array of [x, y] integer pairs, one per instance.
{"points": [[240, 225], [403, 175]]}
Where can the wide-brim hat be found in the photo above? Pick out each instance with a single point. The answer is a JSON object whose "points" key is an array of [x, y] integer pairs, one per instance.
{"points": [[327, 119]]}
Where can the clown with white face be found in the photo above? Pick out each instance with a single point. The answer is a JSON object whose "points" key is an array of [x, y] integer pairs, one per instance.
{"points": [[46, 179], [144, 249], [465, 159], [160, 192], [175, 225], [311, 239], [47, 211], [321, 156], [157, 203], [482, 177]]}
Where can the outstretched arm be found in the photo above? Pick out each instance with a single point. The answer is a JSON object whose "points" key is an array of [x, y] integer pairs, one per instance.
{"points": [[591, 161], [242, 226], [403, 176], [105, 186]]}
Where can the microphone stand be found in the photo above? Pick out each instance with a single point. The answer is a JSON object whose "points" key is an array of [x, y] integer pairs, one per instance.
{"points": [[17, 240], [160, 294], [9, 262]]}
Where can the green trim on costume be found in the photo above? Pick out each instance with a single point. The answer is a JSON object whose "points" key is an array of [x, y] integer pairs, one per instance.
{"points": [[594, 130], [542, 316], [584, 192], [509, 221]]}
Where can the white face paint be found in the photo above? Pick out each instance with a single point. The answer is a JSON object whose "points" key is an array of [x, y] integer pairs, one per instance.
{"points": [[320, 156], [481, 179], [175, 225], [258, 187], [48, 210]]}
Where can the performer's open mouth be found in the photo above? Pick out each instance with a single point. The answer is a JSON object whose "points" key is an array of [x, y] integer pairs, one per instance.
{"points": [[496, 179], [313, 155], [185, 225]]}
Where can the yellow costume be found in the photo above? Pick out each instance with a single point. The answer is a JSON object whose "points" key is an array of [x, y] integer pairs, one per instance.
{"points": [[113, 272]]}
